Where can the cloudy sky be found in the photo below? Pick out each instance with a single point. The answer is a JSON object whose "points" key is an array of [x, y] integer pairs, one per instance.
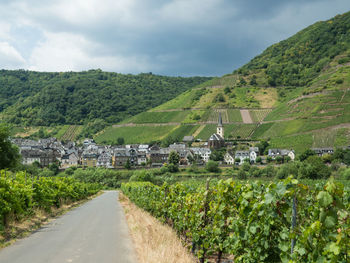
{"points": [[169, 37]]}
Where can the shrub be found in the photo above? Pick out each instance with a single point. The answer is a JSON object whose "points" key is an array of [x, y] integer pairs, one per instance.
{"points": [[212, 166], [142, 176]]}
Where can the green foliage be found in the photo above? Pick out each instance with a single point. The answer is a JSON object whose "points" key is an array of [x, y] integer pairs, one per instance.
{"points": [[9, 156], [252, 221], [108, 178], [306, 154], [174, 158], [314, 168], [137, 134], [21, 194], [297, 60], [43, 99], [219, 98], [212, 166], [142, 176]]}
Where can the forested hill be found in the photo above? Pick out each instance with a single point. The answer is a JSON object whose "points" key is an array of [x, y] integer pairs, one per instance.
{"points": [[37, 98], [299, 59]]}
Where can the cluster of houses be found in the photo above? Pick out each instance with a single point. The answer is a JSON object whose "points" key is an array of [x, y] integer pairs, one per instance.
{"points": [[48, 151]]}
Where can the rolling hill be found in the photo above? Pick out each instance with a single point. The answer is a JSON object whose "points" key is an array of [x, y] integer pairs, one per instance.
{"points": [[30, 98], [295, 94]]}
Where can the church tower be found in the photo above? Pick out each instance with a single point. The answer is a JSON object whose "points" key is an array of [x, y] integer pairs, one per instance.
{"points": [[220, 128]]}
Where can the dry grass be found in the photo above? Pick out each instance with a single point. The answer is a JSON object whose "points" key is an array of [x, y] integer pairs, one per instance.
{"points": [[267, 97], [154, 242]]}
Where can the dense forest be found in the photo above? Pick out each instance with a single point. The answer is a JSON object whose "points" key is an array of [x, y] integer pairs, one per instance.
{"points": [[38, 98], [300, 58]]}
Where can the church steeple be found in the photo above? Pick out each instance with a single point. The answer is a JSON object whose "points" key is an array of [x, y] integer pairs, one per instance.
{"points": [[220, 120], [220, 128]]}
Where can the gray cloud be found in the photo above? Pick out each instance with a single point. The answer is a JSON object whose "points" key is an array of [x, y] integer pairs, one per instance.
{"points": [[174, 37]]}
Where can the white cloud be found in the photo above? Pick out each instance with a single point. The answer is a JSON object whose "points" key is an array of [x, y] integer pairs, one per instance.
{"points": [[162, 36], [70, 52], [10, 58]]}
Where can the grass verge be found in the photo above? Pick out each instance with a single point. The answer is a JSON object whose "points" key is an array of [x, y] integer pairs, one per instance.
{"points": [[153, 241]]}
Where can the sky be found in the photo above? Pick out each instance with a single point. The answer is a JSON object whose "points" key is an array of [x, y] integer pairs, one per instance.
{"points": [[166, 37]]}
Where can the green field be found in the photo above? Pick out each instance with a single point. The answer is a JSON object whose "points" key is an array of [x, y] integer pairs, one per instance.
{"points": [[239, 131], [137, 134], [184, 100], [298, 143], [234, 115], [182, 131], [261, 129], [208, 130], [61, 132], [158, 117]]}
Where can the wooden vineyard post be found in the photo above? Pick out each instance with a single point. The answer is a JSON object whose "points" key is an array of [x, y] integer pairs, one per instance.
{"points": [[294, 221]]}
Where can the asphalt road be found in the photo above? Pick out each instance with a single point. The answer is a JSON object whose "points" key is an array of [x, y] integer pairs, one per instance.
{"points": [[95, 232]]}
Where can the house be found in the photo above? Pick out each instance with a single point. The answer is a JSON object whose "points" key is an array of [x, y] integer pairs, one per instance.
{"points": [[89, 159], [273, 153], [229, 158], [251, 155], [69, 159], [49, 156], [242, 156], [323, 151], [203, 153], [88, 142], [188, 139], [143, 148], [29, 156], [159, 156], [141, 158], [122, 155], [104, 160]]}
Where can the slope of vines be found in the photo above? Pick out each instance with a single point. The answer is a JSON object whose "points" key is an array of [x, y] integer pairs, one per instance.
{"points": [[20, 194], [253, 221]]}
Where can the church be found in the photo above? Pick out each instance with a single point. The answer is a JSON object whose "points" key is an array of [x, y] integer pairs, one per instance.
{"points": [[217, 141]]}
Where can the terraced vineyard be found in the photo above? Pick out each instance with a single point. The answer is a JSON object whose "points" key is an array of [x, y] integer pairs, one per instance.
{"points": [[71, 133], [259, 115], [135, 134], [239, 131]]}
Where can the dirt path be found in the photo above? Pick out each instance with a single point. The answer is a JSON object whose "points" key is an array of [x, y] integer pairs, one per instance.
{"points": [[94, 232], [246, 116], [198, 131]]}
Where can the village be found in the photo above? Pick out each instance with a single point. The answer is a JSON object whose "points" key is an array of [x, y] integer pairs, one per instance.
{"points": [[67, 154]]}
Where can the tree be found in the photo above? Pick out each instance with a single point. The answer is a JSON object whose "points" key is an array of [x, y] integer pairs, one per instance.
{"points": [[9, 156], [120, 141], [54, 167], [306, 154], [253, 81], [314, 168], [279, 159], [127, 165], [212, 166], [217, 155], [174, 158]]}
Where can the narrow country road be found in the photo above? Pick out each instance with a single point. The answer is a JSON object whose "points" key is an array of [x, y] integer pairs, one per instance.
{"points": [[95, 232]]}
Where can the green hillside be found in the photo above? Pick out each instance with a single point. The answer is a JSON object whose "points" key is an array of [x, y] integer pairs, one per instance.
{"points": [[295, 94], [30, 98]]}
